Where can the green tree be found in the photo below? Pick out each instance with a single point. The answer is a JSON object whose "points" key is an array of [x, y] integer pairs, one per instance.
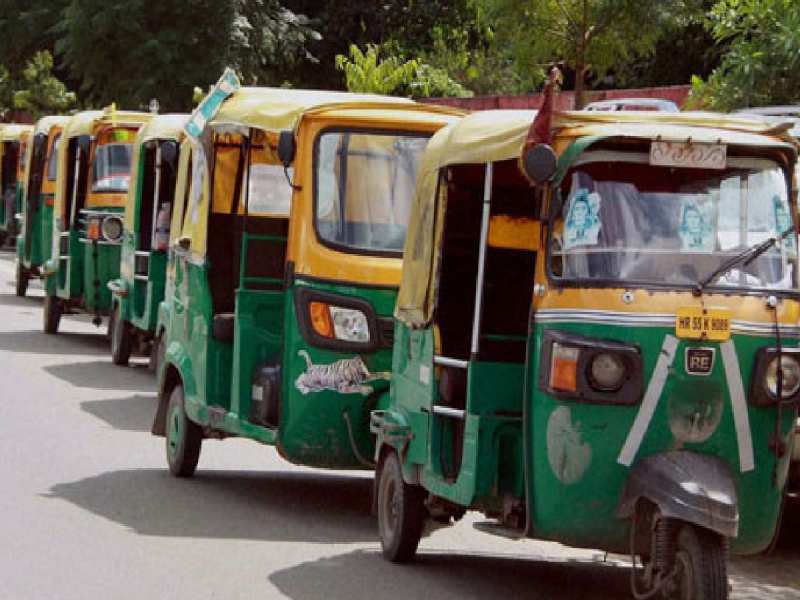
{"points": [[130, 51], [585, 35], [40, 91], [385, 70], [762, 63], [367, 72]]}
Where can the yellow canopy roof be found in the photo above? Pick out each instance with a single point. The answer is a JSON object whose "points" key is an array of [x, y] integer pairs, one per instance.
{"points": [[163, 127], [89, 121], [12, 131], [275, 109], [492, 136], [44, 124]]}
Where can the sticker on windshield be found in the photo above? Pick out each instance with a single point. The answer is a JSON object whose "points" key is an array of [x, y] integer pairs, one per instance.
{"points": [[582, 226], [783, 221], [696, 232]]}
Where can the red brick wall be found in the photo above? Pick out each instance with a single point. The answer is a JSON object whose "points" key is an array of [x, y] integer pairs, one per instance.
{"points": [[564, 100]]}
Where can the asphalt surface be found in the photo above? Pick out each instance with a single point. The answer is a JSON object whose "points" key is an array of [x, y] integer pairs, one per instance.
{"points": [[88, 509]]}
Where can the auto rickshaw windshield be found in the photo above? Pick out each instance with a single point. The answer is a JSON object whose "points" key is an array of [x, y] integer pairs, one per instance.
{"points": [[111, 168], [364, 184], [627, 221]]}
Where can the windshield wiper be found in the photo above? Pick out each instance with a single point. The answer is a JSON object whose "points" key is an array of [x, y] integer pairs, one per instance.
{"points": [[745, 258]]}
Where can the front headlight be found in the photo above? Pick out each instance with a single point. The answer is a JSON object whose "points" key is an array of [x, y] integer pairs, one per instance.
{"points": [[606, 372], [112, 229], [336, 322], [350, 325], [791, 376]]}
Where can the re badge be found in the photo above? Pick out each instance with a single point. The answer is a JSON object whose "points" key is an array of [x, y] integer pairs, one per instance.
{"points": [[699, 361]]}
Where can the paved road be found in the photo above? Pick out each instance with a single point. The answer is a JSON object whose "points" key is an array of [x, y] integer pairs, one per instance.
{"points": [[87, 509]]}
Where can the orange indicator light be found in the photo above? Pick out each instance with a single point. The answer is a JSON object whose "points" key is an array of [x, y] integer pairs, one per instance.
{"points": [[321, 319]]}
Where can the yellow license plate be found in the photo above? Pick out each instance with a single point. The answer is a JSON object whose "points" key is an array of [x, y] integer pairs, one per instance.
{"points": [[695, 323]]}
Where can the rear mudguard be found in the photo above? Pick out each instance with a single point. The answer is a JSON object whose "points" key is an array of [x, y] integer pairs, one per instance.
{"points": [[692, 487]]}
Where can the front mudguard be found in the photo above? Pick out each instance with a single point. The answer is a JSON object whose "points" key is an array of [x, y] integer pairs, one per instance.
{"points": [[691, 487], [177, 368]]}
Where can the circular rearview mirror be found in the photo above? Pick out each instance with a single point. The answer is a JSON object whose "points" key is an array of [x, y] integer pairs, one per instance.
{"points": [[539, 163]]}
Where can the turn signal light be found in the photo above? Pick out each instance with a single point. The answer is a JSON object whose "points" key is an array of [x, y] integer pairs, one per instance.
{"points": [[321, 319], [93, 229], [564, 368]]}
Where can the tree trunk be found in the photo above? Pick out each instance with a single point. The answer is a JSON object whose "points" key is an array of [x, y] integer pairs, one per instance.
{"points": [[580, 85]]}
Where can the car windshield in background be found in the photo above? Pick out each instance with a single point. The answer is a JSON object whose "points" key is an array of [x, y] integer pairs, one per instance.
{"points": [[625, 222], [111, 168], [364, 188]]}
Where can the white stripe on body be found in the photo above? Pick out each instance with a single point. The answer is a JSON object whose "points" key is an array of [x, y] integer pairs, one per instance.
{"points": [[648, 408], [739, 403]]}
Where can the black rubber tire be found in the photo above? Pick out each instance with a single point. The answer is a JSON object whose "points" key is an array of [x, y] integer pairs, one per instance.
{"points": [[121, 338], [401, 512], [52, 314], [184, 437], [21, 280], [702, 563]]}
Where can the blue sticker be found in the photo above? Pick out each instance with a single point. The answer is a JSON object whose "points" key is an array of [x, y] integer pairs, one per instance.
{"points": [[582, 226], [696, 231], [783, 221]]}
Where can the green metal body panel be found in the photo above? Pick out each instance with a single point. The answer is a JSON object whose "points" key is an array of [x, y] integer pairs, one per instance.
{"points": [[593, 499], [575, 481], [34, 244], [140, 307], [217, 376], [82, 278]]}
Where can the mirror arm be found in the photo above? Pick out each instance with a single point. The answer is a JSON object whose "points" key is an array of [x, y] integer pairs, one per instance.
{"points": [[297, 188]]}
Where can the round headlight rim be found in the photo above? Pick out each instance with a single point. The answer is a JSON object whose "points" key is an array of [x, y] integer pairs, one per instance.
{"points": [[593, 380], [785, 392], [120, 225]]}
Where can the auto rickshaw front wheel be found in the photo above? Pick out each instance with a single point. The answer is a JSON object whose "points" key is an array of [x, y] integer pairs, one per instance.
{"points": [[52, 313], [121, 338], [21, 280], [184, 437], [401, 512], [701, 571]]}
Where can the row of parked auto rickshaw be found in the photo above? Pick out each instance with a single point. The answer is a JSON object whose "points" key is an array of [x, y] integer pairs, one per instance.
{"points": [[585, 328]]}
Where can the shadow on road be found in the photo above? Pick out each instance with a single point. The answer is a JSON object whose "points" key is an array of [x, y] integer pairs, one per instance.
{"points": [[104, 375], [34, 302], [456, 576], [275, 506], [474, 576], [134, 413], [37, 342]]}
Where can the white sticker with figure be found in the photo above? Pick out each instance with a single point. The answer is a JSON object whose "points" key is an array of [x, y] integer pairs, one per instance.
{"points": [[696, 228], [346, 376], [783, 221], [582, 226]]}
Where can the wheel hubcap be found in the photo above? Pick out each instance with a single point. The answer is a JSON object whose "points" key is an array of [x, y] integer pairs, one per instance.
{"points": [[174, 434]]}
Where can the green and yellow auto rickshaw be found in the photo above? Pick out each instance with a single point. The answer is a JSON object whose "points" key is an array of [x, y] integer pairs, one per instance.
{"points": [[94, 171], [138, 293], [38, 187], [12, 164], [284, 270], [607, 358]]}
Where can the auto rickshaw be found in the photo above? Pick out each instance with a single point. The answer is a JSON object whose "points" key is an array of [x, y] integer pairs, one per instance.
{"points": [[138, 293], [284, 270], [603, 353], [94, 170], [12, 164], [36, 216]]}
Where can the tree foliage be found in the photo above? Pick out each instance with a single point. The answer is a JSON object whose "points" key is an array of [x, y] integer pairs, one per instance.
{"points": [[163, 50], [762, 62], [384, 70], [41, 92], [584, 35]]}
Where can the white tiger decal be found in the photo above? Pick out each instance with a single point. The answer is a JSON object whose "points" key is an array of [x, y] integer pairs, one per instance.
{"points": [[346, 376]]}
